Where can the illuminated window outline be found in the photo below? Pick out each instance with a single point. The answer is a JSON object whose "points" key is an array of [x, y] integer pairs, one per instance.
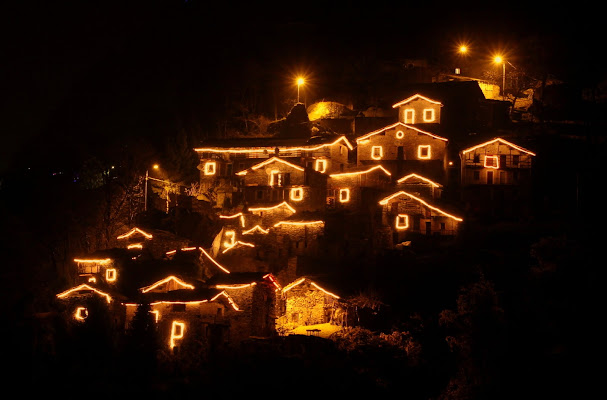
{"points": [[494, 165], [400, 134], [432, 113], [156, 315], [320, 165], [81, 313], [377, 149], [401, 222], [344, 195], [296, 194], [420, 151], [177, 331], [409, 116], [274, 181], [110, 274], [210, 168]]}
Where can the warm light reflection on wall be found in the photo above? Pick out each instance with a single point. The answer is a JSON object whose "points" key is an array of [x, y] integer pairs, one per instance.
{"points": [[231, 239], [344, 195], [132, 232], [166, 280], [492, 162], [423, 152], [110, 274], [377, 152], [177, 331], [297, 194], [402, 221], [210, 167]]}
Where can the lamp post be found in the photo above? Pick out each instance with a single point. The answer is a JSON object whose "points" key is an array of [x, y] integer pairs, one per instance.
{"points": [[500, 60], [300, 81], [147, 177]]}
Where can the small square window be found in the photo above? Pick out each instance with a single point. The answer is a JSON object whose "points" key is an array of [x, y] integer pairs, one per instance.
{"points": [[297, 194], [402, 221], [320, 165], [377, 152], [492, 162], [423, 152], [210, 168], [409, 116], [344, 195], [429, 115]]}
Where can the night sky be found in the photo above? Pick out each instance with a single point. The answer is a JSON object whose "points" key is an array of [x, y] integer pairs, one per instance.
{"points": [[91, 72]]}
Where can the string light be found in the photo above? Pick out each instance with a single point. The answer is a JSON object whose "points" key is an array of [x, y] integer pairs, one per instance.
{"points": [[349, 174], [254, 229], [85, 287], [177, 331], [498, 140], [387, 199], [284, 203], [133, 231], [167, 280], [411, 176], [414, 97], [399, 124], [271, 148]]}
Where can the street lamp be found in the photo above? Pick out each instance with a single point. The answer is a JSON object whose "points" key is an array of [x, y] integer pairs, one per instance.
{"points": [[500, 60], [300, 81], [147, 177]]}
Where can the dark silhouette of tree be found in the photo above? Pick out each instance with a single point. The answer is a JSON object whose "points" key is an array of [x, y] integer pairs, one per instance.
{"points": [[142, 345]]}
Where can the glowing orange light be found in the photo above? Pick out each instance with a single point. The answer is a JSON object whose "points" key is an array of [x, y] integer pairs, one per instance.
{"points": [[177, 331], [284, 203], [254, 229], [377, 152], [93, 261], [214, 262], [135, 246], [236, 244], [268, 161], [414, 97], [210, 167], [133, 231], [320, 165], [271, 149], [92, 279], [242, 221], [399, 124], [349, 174], [400, 134], [84, 287], [297, 194], [110, 275], [171, 252], [410, 116], [271, 278], [387, 199], [301, 280], [492, 162], [411, 176], [81, 313], [299, 223], [344, 195], [274, 177], [227, 296], [499, 140], [156, 315], [429, 115], [424, 152], [402, 221], [166, 280], [231, 235], [241, 286]]}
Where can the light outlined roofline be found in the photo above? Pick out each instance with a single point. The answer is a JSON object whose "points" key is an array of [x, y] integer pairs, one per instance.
{"points": [[271, 148], [416, 96], [500, 140], [269, 161], [413, 175], [368, 135], [385, 201], [343, 174]]}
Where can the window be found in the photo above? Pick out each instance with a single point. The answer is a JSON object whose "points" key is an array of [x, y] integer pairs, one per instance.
{"points": [[442, 226], [230, 237], [400, 134], [297, 194], [402, 221], [377, 152], [409, 116], [344, 195], [515, 160], [321, 165], [492, 162], [110, 274], [429, 115], [476, 159], [423, 152], [210, 168], [81, 313]]}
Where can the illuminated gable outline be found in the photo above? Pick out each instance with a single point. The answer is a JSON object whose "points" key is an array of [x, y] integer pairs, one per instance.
{"points": [[416, 96], [132, 232], [500, 140], [385, 201], [346, 174], [168, 279], [413, 175], [84, 286], [271, 148], [284, 203], [368, 135], [268, 161]]}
